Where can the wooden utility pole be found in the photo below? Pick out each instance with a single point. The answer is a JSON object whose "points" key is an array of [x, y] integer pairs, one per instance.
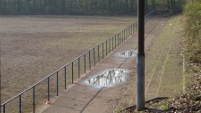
{"points": [[141, 57]]}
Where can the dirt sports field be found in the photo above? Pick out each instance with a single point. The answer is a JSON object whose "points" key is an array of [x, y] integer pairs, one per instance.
{"points": [[34, 46]]}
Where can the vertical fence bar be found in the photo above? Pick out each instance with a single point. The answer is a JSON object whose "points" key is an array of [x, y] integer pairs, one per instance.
{"points": [[124, 35], [121, 37], [115, 39], [94, 57], [112, 43], [72, 71], [78, 68], [98, 53], [135, 29], [65, 77], [20, 103], [118, 38], [34, 103], [89, 59], [127, 33], [130, 29], [4, 108], [84, 63], [48, 88], [57, 83], [103, 50], [106, 47], [109, 45]]}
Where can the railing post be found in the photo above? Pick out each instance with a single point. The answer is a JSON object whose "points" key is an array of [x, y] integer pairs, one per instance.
{"points": [[72, 71], [98, 53], [118, 39], [124, 35], [130, 29], [78, 67], [84, 63], [65, 77], [115, 39], [48, 89], [109, 45], [57, 83], [112, 43], [94, 57], [127, 33], [103, 50], [20, 103], [106, 47], [89, 59], [133, 28], [34, 103], [4, 108]]}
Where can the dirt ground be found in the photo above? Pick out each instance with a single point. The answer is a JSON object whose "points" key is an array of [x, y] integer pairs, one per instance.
{"points": [[34, 46], [160, 56]]}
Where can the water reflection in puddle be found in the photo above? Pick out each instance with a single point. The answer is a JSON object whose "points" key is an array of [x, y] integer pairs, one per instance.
{"points": [[126, 54], [109, 78]]}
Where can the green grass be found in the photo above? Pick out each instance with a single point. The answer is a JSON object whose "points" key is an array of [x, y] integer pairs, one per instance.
{"points": [[163, 66]]}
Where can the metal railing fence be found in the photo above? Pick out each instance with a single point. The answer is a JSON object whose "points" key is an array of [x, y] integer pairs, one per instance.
{"points": [[49, 86]]}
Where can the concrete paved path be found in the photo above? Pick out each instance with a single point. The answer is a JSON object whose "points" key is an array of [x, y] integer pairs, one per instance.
{"points": [[81, 98]]}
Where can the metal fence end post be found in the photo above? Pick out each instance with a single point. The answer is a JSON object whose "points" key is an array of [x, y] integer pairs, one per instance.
{"points": [[57, 83]]}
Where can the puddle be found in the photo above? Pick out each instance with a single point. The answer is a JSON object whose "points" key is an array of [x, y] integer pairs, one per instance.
{"points": [[108, 78], [126, 54]]}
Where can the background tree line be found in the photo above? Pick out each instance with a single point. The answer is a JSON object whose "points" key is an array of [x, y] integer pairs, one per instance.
{"points": [[72, 7]]}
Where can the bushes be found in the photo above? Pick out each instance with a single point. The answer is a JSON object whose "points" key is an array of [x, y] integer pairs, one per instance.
{"points": [[192, 29]]}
